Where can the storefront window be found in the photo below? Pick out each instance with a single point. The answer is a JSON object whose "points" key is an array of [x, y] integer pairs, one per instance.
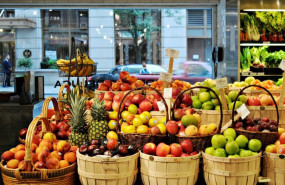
{"points": [[137, 36], [58, 27]]}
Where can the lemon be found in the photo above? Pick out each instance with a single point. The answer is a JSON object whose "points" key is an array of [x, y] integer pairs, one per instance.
{"points": [[163, 120], [112, 124], [162, 128], [130, 129], [148, 115], [142, 129], [133, 109], [124, 114], [153, 122], [112, 135], [137, 121]]}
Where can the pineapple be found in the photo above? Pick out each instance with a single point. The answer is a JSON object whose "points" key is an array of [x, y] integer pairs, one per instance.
{"points": [[77, 121], [98, 127]]}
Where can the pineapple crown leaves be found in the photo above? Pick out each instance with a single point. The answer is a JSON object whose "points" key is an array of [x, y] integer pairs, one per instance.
{"points": [[98, 110]]}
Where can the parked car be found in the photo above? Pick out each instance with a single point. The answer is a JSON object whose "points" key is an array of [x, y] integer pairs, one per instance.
{"points": [[189, 71]]}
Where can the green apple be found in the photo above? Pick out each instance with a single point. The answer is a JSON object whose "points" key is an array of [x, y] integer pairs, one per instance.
{"points": [[197, 104], [232, 148], [254, 153], [237, 84], [217, 107], [254, 145], [208, 105], [229, 138], [210, 150], [198, 84], [243, 84], [249, 80], [204, 96], [216, 91], [218, 141], [209, 83], [220, 152], [215, 102], [194, 98], [242, 98], [230, 132], [234, 156], [245, 153], [232, 95], [242, 141], [231, 105], [227, 99]]}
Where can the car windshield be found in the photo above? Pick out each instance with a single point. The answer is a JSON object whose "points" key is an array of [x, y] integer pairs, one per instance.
{"points": [[155, 69], [194, 69], [135, 69]]}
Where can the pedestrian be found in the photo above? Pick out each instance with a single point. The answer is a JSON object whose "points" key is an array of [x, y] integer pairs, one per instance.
{"points": [[144, 70], [7, 71]]}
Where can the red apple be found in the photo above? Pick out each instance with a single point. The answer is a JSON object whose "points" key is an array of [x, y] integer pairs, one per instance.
{"points": [[155, 130], [125, 87], [102, 87], [62, 135], [183, 105], [127, 103], [186, 99], [172, 127], [115, 106], [189, 111], [187, 146], [149, 148], [175, 92], [118, 97], [108, 105], [145, 105], [108, 96], [194, 153], [265, 119], [266, 100], [137, 99], [63, 126], [112, 143], [108, 83], [282, 138], [175, 149], [156, 96], [54, 127], [155, 106], [178, 113], [150, 98], [253, 101], [184, 155], [281, 149], [162, 150]]}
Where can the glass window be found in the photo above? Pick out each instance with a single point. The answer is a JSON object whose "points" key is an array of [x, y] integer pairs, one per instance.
{"points": [[137, 36], [58, 28]]}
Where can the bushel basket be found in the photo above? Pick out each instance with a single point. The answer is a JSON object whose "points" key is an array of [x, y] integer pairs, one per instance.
{"points": [[138, 140], [63, 176], [200, 142], [266, 138]]}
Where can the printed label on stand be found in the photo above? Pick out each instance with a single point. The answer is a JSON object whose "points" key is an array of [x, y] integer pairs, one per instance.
{"points": [[171, 53], [161, 106], [282, 65], [243, 111], [167, 93], [167, 77], [222, 83]]}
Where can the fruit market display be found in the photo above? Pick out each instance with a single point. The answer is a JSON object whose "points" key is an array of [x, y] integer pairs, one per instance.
{"points": [[184, 149], [110, 148], [48, 153], [124, 83], [85, 66], [257, 125], [279, 146], [232, 146]]}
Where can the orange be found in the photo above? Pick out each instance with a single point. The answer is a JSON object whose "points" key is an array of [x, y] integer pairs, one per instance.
{"points": [[112, 135]]}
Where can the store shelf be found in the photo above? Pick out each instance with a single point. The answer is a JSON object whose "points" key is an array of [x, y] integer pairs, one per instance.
{"points": [[262, 44]]}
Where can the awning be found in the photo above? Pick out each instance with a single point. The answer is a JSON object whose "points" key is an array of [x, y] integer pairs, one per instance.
{"points": [[11, 22]]}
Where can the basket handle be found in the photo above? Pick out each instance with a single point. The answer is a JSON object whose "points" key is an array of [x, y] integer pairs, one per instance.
{"points": [[60, 94], [136, 89], [240, 93], [55, 105], [29, 139], [200, 87]]}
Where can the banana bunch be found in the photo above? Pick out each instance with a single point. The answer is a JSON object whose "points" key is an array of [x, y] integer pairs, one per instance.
{"points": [[85, 67]]}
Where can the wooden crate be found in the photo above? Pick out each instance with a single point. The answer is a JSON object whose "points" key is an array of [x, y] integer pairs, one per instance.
{"points": [[249, 92], [169, 170], [273, 168], [213, 116], [231, 171], [107, 171]]}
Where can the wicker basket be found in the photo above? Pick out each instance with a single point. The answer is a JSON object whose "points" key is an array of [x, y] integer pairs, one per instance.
{"points": [[213, 116], [169, 170], [60, 96], [55, 106], [138, 140], [108, 171], [199, 142], [274, 168], [229, 171], [64, 176], [266, 138]]}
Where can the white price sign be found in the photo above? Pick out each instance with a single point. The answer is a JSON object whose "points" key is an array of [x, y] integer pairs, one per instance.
{"points": [[222, 83], [171, 53], [161, 106], [167, 77], [282, 65], [243, 111], [167, 93]]}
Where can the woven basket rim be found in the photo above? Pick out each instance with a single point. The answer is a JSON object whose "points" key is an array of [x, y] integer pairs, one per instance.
{"points": [[142, 135], [196, 137], [124, 157], [257, 132], [174, 159], [231, 159]]}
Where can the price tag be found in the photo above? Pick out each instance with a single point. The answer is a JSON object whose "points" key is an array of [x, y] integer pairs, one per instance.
{"points": [[161, 106], [243, 111], [167, 93], [167, 77], [171, 53], [282, 65], [222, 83]]}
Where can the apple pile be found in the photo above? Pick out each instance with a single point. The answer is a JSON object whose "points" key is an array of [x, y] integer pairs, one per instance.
{"points": [[184, 149], [279, 146], [48, 153], [262, 100], [110, 147], [257, 125], [176, 85], [124, 83], [232, 146]]}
